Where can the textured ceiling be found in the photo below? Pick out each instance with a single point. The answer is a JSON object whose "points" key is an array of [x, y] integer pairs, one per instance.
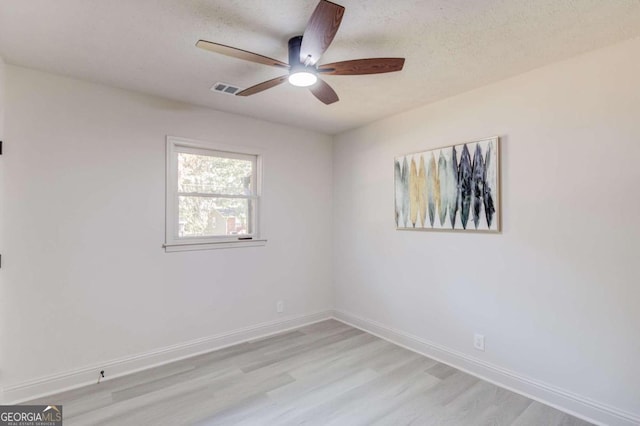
{"points": [[451, 46]]}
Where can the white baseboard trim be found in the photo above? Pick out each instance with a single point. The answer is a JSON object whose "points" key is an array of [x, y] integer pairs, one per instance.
{"points": [[564, 400], [44, 386], [569, 402]]}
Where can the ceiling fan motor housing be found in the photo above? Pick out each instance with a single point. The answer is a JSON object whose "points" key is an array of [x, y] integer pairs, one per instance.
{"points": [[294, 50], [294, 56], [300, 74]]}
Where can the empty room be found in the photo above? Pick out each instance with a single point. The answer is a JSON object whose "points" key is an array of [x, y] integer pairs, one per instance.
{"points": [[304, 212]]}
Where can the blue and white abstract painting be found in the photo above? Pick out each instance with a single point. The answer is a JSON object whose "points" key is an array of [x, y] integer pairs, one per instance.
{"points": [[451, 188]]}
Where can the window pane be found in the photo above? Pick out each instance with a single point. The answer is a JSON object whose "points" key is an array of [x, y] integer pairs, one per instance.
{"points": [[206, 216], [214, 175]]}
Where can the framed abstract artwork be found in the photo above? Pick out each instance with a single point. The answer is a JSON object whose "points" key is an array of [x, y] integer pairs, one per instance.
{"points": [[455, 188]]}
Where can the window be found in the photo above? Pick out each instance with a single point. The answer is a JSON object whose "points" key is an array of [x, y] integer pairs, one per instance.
{"points": [[213, 195]]}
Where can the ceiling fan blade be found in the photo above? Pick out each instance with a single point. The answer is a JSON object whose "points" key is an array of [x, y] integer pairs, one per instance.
{"points": [[263, 86], [324, 92], [363, 66], [321, 29], [240, 54]]}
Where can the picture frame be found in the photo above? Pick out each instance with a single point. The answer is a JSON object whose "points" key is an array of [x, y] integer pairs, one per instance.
{"points": [[451, 188]]}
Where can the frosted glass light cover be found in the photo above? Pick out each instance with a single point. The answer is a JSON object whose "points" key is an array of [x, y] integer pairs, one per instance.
{"points": [[302, 79]]}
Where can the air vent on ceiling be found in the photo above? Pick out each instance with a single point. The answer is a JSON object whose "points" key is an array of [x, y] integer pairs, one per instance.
{"points": [[225, 88]]}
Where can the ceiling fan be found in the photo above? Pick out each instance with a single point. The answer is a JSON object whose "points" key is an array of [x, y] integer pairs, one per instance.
{"points": [[305, 52]]}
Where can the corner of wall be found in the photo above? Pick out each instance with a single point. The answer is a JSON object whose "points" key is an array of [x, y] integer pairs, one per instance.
{"points": [[332, 283]]}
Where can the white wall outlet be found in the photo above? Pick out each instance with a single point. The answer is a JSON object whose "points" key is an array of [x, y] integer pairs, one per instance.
{"points": [[280, 306], [478, 342]]}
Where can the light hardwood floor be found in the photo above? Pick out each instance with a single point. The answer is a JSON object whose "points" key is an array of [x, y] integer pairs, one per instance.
{"points": [[322, 374]]}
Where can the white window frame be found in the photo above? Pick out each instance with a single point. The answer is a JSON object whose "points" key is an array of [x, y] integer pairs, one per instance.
{"points": [[173, 242]]}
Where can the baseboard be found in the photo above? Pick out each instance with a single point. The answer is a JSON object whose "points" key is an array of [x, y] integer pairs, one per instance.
{"points": [[564, 400], [574, 404], [68, 380]]}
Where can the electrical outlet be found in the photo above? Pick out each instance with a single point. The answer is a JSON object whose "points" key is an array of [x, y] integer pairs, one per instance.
{"points": [[478, 342], [280, 306]]}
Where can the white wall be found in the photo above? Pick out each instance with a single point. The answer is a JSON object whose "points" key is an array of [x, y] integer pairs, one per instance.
{"points": [[556, 294], [85, 277], [2, 95], [3, 293]]}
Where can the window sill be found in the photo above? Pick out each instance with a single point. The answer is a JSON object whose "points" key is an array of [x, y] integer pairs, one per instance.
{"points": [[170, 248]]}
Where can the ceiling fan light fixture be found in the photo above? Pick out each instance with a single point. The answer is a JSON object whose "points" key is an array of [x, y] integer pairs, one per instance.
{"points": [[304, 52], [303, 78]]}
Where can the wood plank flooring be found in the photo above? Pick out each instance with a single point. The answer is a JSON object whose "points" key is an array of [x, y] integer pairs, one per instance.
{"points": [[322, 374]]}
